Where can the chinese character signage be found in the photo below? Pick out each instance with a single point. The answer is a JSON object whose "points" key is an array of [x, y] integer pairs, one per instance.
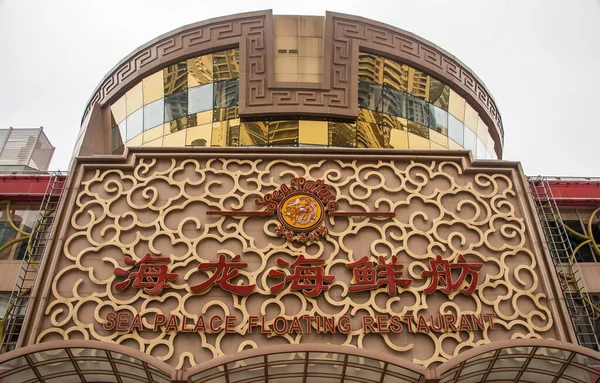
{"points": [[189, 257]]}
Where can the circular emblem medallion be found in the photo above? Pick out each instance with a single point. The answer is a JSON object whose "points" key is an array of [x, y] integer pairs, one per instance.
{"points": [[301, 212]]}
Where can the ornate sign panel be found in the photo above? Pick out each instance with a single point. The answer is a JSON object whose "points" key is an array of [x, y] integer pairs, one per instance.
{"points": [[199, 254]]}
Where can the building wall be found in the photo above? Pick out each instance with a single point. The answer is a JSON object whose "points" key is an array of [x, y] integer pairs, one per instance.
{"points": [[195, 209]]}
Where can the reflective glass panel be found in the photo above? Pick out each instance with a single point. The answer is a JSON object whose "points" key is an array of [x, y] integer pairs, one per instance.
{"points": [[470, 142], [176, 125], [226, 133], [135, 141], [254, 133], [199, 70], [201, 118], [200, 98], [175, 139], [226, 65], [118, 110], [417, 110], [153, 134], [369, 96], [370, 68], [439, 120], [283, 132], [471, 118], [456, 107], [418, 83], [154, 88], [395, 75], [456, 130], [176, 106], [225, 93], [417, 142], [438, 138], [135, 124], [313, 132], [223, 114], [175, 78], [370, 135], [398, 139], [134, 99], [342, 134], [439, 94], [154, 114], [482, 130], [394, 102], [199, 135], [418, 129]]}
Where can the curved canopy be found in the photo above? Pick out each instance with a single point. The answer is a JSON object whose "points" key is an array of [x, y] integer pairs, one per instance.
{"points": [[524, 360]]}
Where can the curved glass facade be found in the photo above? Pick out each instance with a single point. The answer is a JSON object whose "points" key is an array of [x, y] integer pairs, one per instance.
{"points": [[194, 103]]}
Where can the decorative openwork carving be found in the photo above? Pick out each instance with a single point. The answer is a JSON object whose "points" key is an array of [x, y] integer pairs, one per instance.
{"points": [[158, 203]]}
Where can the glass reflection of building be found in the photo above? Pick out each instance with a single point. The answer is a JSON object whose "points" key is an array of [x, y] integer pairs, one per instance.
{"points": [[194, 103]]}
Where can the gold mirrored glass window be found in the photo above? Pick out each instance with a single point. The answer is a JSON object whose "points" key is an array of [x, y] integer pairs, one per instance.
{"points": [[175, 78], [254, 133], [200, 70], [439, 94], [370, 135], [199, 135], [226, 133], [417, 142], [399, 139], [225, 114], [456, 107], [370, 68], [201, 118], [154, 88], [283, 132], [118, 110], [134, 99], [342, 134], [153, 134], [226, 65], [438, 138], [395, 75], [482, 129], [135, 141], [418, 83], [471, 118], [417, 129], [313, 132], [176, 139]]}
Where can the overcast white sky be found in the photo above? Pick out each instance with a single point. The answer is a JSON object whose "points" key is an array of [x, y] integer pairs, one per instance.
{"points": [[540, 60]]}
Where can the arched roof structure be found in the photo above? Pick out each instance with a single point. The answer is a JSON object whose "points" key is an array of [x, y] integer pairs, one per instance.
{"points": [[522, 360]]}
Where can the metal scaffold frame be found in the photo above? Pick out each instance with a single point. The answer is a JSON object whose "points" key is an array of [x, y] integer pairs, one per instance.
{"points": [[11, 324], [579, 305]]}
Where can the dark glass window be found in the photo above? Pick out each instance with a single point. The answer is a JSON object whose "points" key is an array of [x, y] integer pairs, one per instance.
{"points": [[176, 106], [394, 102], [417, 110], [7, 233], [369, 96], [225, 93]]}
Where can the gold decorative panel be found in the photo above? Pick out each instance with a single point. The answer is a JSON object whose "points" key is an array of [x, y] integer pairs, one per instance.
{"points": [[191, 211]]}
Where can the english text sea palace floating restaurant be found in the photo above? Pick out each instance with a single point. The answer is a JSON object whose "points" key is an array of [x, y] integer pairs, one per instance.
{"points": [[261, 198]]}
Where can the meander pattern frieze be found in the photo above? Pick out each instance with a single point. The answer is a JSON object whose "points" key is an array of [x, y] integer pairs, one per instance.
{"points": [[159, 205], [253, 34]]}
